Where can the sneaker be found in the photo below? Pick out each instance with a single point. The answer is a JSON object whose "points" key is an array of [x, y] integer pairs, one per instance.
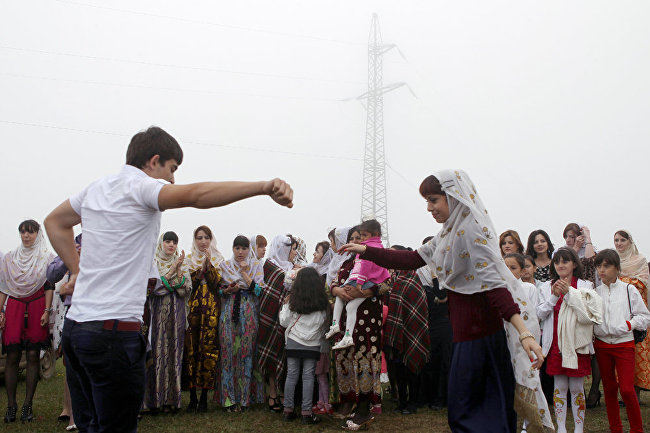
{"points": [[344, 343], [334, 329]]}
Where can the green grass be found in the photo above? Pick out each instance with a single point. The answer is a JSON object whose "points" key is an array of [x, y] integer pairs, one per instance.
{"points": [[49, 399]]}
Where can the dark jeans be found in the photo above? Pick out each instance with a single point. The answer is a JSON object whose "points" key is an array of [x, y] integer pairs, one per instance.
{"points": [[105, 373]]}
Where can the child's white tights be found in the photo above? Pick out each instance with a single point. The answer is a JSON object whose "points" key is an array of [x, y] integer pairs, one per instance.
{"points": [[562, 385], [351, 310]]}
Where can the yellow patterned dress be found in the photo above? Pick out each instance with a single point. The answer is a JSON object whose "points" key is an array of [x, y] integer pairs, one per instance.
{"points": [[201, 355], [642, 350]]}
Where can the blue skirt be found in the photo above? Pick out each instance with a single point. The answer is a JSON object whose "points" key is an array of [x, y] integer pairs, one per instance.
{"points": [[482, 386]]}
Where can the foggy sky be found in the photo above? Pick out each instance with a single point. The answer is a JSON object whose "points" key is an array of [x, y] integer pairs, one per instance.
{"points": [[545, 105]]}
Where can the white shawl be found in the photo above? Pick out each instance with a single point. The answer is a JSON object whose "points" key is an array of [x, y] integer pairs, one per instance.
{"points": [[580, 309], [279, 251], [164, 262], [231, 271], [23, 270], [466, 257], [322, 267], [340, 237]]}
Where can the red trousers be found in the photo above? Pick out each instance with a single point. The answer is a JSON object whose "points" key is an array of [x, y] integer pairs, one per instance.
{"points": [[617, 360]]}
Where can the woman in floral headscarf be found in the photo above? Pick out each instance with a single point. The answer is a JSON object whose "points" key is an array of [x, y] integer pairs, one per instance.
{"points": [[167, 330], [489, 312], [242, 281], [634, 271], [25, 323], [201, 339]]}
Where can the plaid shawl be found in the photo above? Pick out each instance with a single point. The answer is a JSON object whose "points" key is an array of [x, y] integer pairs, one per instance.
{"points": [[407, 328], [270, 335]]}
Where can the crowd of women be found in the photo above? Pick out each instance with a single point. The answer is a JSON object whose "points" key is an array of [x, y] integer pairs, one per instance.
{"points": [[251, 329]]}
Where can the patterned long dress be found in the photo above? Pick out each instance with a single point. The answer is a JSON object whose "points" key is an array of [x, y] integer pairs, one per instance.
{"points": [[201, 339], [358, 368], [167, 340], [270, 338], [240, 381], [642, 350]]}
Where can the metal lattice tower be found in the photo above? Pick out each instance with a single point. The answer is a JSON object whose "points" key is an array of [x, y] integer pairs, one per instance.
{"points": [[373, 194]]}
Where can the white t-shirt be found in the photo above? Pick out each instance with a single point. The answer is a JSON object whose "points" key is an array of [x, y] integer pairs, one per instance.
{"points": [[120, 219]]}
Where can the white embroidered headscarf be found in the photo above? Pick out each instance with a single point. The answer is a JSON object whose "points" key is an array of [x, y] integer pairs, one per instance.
{"points": [[633, 264], [231, 271], [426, 275], [279, 252], [341, 238], [301, 252], [164, 261], [323, 266], [195, 259], [23, 270], [253, 251], [466, 257]]}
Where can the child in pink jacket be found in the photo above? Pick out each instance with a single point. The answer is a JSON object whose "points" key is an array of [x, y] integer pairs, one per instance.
{"points": [[364, 275]]}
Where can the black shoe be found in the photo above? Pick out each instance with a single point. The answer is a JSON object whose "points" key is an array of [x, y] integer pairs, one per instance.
{"points": [[289, 416], [310, 419], [191, 407], [10, 416], [275, 407], [621, 403], [203, 407], [593, 402], [409, 410], [26, 414]]}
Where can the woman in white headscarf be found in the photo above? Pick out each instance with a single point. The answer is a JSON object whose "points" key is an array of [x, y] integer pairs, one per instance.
{"points": [[25, 322], [323, 255], [167, 329], [201, 340], [634, 271], [242, 280], [483, 294]]}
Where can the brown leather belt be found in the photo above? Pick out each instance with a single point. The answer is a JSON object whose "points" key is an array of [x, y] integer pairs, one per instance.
{"points": [[122, 326]]}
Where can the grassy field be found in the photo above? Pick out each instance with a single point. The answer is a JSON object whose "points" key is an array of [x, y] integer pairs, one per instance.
{"points": [[49, 400]]}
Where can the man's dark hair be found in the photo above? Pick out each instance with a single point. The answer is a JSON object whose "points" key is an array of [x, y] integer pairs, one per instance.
{"points": [[371, 226], [608, 256], [153, 141]]}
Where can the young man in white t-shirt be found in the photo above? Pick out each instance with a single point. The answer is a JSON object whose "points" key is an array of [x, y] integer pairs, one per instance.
{"points": [[120, 213]]}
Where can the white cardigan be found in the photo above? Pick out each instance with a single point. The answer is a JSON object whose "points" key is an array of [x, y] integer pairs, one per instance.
{"points": [[580, 310], [547, 301], [616, 313], [306, 329]]}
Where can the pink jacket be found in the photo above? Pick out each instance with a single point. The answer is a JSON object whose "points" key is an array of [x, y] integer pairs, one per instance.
{"points": [[365, 270]]}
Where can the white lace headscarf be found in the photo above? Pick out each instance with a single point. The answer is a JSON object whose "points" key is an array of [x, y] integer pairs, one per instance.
{"points": [[231, 271], [340, 238], [278, 252], [22, 271], [196, 258], [466, 257], [323, 266], [253, 251], [301, 252]]}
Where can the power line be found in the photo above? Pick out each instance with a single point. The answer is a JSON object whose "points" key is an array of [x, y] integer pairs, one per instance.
{"points": [[171, 89], [212, 23], [202, 143], [168, 65]]}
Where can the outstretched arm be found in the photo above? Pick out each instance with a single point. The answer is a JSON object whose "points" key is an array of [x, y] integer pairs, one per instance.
{"points": [[206, 195], [59, 224], [389, 259]]}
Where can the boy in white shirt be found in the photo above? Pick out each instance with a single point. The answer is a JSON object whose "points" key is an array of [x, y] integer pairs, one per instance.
{"points": [[120, 214]]}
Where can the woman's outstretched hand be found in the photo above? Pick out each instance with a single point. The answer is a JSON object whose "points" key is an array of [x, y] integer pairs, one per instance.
{"points": [[352, 248]]}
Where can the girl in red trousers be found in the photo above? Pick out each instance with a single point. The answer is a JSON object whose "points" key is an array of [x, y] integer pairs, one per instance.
{"points": [[623, 312]]}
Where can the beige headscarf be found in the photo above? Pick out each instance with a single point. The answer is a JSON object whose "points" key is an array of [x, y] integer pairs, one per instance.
{"points": [[633, 264], [195, 259], [164, 262], [23, 270]]}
